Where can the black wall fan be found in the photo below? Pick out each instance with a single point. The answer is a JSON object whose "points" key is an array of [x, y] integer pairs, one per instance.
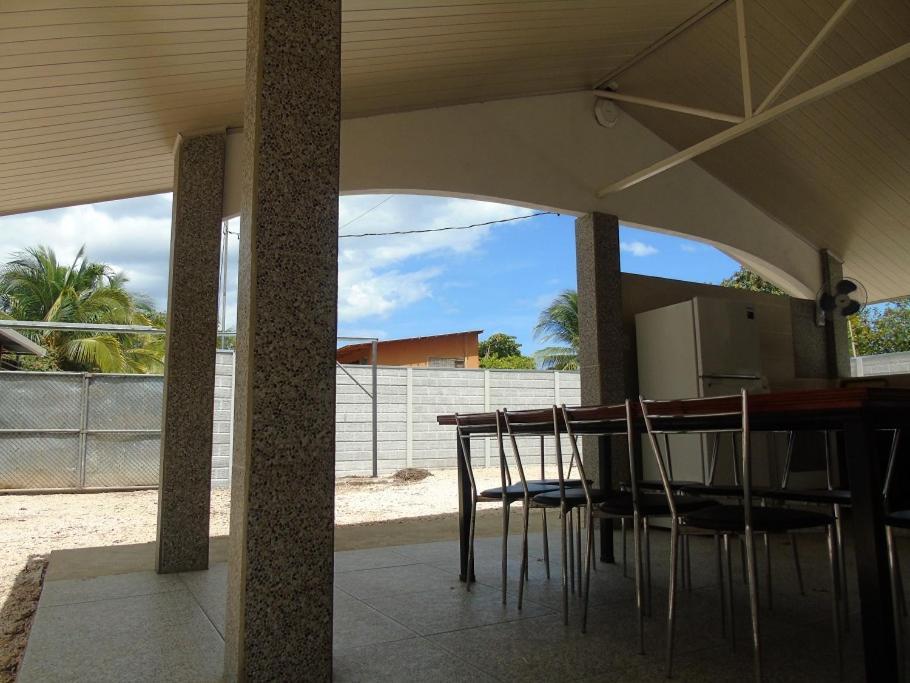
{"points": [[848, 297]]}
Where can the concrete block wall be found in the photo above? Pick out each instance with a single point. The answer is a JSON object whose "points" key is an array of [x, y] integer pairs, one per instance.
{"points": [[884, 364], [409, 401], [221, 427]]}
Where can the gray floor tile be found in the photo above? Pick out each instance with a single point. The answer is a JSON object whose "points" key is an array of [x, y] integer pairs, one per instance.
{"points": [[371, 558], [437, 611], [209, 588], [68, 591], [144, 638], [406, 660], [369, 583], [357, 624]]}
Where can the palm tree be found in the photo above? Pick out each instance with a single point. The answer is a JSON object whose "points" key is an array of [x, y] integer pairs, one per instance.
{"points": [[36, 286], [558, 322]]}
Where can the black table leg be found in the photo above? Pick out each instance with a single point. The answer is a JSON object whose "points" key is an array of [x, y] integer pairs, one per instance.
{"points": [[865, 471], [464, 507], [605, 483]]}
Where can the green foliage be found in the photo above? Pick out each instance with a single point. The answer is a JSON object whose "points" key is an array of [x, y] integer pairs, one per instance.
{"points": [[882, 329], [558, 322], [746, 279], [508, 363], [503, 352], [499, 345], [35, 286]]}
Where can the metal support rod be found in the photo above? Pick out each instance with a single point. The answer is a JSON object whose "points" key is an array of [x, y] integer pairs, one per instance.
{"points": [[669, 106], [83, 428], [808, 52], [744, 58], [374, 359], [848, 78]]}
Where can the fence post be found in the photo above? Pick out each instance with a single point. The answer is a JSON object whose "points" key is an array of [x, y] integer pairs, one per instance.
{"points": [[486, 409], [409, 419], [375, 398], [83, 428]]}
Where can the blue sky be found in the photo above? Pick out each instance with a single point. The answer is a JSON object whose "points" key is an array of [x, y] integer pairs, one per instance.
{"points": [[496, 278]]}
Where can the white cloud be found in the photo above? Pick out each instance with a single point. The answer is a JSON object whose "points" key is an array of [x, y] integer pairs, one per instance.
{"points": [[637, 248], [688, 248], [377, 275]]}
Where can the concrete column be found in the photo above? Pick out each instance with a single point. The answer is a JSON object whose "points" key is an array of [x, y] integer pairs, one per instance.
{"points": [[279, 608], [601, 352], [189, 374], [837, 336]]}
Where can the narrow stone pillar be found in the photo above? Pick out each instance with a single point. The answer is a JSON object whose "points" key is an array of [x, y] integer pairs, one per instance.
{"points": [[189, 373], [601, 352], [279, 605], [837, 334]]}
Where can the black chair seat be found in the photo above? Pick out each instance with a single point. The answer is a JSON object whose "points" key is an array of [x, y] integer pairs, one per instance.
{"points": [[901, 519], [819, 496], [515, 491], [657, 485], [773, 520], [722, 490], [571, 483], [574, 497], [653, 504]]}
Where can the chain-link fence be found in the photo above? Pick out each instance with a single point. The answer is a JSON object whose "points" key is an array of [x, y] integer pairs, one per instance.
{"points": [[79, 430]]}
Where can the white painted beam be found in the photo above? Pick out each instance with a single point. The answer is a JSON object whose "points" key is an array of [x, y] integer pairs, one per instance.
{"points": [[808, 52], [846, 79], [669, 106], [744, 58]]}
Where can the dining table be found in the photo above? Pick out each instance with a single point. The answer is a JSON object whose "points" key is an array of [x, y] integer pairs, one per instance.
{"points": [[859, 413]]}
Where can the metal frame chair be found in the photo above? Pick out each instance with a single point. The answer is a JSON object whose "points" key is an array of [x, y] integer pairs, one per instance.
{"points": [[506, 494], [743, 520]]}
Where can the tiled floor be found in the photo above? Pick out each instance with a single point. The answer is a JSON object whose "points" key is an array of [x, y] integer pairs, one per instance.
{"points": [[402, 615]]}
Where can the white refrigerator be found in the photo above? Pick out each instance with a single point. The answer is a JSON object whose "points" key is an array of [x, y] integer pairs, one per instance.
{"points": [[698, 348]]}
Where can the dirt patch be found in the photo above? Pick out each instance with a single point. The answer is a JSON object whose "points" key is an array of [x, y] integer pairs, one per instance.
{"points": [[409, 474], [17, 614]]}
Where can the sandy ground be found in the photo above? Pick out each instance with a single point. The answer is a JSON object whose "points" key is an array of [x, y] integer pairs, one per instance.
{"points": [[32, 526]]}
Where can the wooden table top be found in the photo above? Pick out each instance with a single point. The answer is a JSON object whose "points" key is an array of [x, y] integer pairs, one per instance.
{"points": [[766, 411]]}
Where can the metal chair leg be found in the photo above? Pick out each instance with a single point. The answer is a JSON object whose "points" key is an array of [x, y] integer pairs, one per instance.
{"points": [[752, 575], [842, 566], [473, 522], [589, 553], [625, 572], [571, 535], [688, 551], [565, 568], [896, 610], [647, 539], [546, 541], [636, 544], [768, 572], [523, 574], [505, 550], [834, 563], [671, 597], [578, 547], [720, 585], [730, 592], [796, 565]]}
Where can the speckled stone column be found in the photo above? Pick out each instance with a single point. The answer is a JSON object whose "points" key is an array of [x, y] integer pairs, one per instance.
{"points": [[189, 374], [601, 352], [837, 336], [279, 608]]}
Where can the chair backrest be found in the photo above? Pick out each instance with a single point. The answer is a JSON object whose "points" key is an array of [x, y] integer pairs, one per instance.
{"points": [[464, 450], [582, 420], [503, 416], [714, 415]]}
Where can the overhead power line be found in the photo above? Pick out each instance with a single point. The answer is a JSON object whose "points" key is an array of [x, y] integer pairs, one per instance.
{"points": [[372, 208], [451, 227]]}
